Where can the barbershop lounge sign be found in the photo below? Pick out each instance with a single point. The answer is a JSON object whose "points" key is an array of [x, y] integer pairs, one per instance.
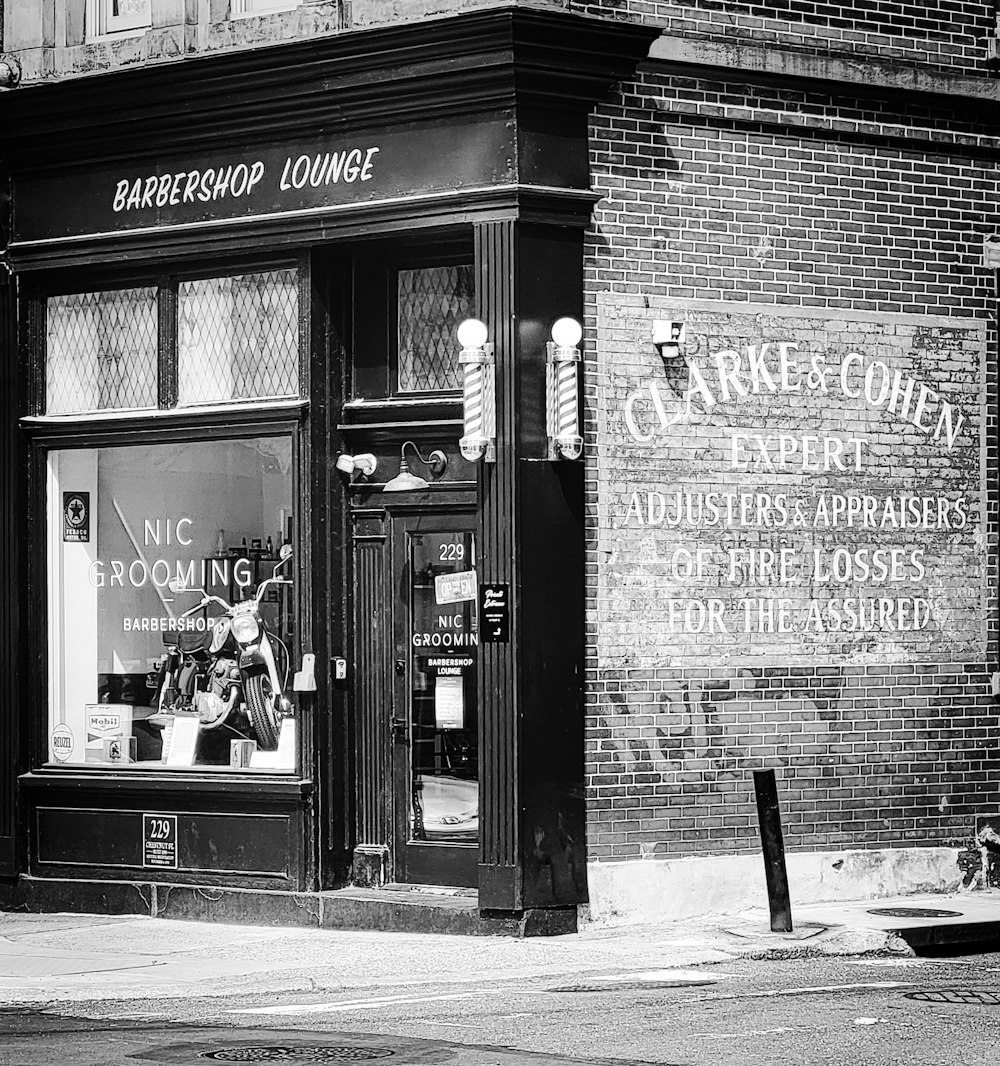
{"points": [[794, 483], [316, 177]]}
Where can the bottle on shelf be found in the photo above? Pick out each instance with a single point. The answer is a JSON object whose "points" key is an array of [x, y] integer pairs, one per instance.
{"points": [[269, 551]]}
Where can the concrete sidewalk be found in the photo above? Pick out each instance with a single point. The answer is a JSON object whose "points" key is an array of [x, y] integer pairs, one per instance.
{"points": [[65, 957]]}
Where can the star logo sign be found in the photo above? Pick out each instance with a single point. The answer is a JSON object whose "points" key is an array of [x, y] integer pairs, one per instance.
{"points": [[76, 511]]}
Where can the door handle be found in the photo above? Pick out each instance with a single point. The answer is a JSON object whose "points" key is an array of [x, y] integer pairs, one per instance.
{"points": [[398, 727], [400, 667]]}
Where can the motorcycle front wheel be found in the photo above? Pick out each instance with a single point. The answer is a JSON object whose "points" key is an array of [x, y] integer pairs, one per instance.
{"points": [[262, 706]]}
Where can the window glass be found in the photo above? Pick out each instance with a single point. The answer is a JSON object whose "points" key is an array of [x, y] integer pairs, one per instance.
{"points": [[238, 338], [101, 351], [259, 7], [431, 302], [444, 639], [168, 645], [115, 16]]}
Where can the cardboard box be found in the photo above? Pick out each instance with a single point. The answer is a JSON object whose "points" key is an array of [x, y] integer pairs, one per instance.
{"points": [[240, 752]]}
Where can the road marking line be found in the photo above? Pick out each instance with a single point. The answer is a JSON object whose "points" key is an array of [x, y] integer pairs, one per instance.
{"points": [[356, 1004], [667, 975], [754, 1032], [814, 988]]}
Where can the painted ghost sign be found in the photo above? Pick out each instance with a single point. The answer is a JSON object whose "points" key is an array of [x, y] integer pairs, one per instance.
{"points": [[792, 482]]}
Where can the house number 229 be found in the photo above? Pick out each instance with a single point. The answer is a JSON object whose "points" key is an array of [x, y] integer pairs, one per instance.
{"points": [[449, 553], [160, 828]]}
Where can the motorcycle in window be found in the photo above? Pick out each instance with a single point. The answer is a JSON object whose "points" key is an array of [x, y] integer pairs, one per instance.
{"points": [[232, 665]]}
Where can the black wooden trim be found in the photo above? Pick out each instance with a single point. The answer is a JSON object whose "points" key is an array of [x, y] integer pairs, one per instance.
{"points": [[570, 207], [84, 783], [12, 586], [499, 698], [204, 423], [33, 344], [323, 540], [166, 343]]}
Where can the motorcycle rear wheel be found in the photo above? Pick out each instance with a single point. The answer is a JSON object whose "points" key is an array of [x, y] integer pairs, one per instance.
{"points": [[262, 706]]}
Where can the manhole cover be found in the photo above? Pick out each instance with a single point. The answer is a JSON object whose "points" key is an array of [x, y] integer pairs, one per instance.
{"points": [[956, 995], [295, 1053], [915, 912]]}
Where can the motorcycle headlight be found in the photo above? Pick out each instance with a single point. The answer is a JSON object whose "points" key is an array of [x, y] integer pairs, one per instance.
{"points": [[245, 628]]}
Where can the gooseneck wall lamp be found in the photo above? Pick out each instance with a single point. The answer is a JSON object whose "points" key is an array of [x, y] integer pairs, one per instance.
{"points": [[478, 392], [562, 406], [406, 480]]}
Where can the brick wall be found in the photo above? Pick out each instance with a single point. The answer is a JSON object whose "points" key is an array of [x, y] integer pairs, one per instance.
{"points": [[761, 218], [948, 34]]}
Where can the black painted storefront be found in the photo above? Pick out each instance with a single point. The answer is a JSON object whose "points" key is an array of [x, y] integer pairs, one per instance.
{"points": [[466, 139]]}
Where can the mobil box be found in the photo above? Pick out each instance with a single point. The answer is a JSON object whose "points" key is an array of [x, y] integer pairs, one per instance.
{"points": [[104, 722]]}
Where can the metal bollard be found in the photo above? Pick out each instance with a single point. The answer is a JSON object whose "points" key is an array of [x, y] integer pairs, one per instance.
{"points": [[773, 847]]}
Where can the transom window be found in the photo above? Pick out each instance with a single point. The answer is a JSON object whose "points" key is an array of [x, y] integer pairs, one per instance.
{"points": [[431, 301], [236, 338]]}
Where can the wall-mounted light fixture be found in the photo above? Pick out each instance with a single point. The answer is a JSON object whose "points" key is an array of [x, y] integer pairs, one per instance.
{"points": [[478, 392], [668, 336], [365, 464], [405, 481], [562, 390], [10, 72]]}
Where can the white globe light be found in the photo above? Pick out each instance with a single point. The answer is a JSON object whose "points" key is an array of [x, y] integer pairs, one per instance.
{"points": [[566, 332], [472, 333]]}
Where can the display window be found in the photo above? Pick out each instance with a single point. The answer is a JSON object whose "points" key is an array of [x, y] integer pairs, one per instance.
{"points": [[171, 606]]}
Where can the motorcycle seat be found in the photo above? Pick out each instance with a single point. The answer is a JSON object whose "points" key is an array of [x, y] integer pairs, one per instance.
{"points": [[187, 640]]}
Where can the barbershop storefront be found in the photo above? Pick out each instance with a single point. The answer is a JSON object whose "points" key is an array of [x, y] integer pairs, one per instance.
{"points": [[339, 561], [280, 632]]}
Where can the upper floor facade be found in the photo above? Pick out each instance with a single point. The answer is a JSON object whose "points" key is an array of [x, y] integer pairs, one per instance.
{"points": [[911, 44]]}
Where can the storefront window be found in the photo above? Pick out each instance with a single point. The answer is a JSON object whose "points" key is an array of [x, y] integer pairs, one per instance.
{"points": [[101, 351], [238, 338], [431, 302], [171, 607]]}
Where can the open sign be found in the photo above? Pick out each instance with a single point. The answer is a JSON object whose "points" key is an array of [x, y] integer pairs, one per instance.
{"points": [[454, 588]]}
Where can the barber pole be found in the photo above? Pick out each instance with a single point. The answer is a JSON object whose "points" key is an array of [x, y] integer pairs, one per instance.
{"points": [[562, 401], [478, 393]]}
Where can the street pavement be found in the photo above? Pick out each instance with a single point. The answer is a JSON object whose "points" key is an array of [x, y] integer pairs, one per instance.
{"points": [[79, 989]]}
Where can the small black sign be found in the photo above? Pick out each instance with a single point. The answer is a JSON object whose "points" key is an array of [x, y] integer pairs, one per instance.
{"points": [[159, 841], [76, 516], [494, 614]]}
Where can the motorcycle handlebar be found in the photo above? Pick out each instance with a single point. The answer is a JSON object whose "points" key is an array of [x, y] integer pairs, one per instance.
{"points": [[205, 602]]}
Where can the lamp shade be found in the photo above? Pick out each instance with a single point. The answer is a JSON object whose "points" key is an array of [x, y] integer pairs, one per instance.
{"points": [[566, 332], [472, 333]]}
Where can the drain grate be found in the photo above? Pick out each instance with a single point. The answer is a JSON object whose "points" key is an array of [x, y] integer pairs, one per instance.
{"points": [[915, 912], [956, 995], [296, 1053]]}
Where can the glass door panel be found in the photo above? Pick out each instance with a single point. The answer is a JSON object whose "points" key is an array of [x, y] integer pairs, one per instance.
{"points": [[435, 719]]}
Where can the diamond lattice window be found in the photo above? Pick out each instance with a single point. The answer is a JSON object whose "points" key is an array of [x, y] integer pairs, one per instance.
{"points": [[101, 351], [432, 301], [238, 338]]}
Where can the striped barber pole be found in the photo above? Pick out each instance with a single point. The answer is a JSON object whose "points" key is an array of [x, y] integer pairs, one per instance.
{"points": [[562, 403], [477, 395]]}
